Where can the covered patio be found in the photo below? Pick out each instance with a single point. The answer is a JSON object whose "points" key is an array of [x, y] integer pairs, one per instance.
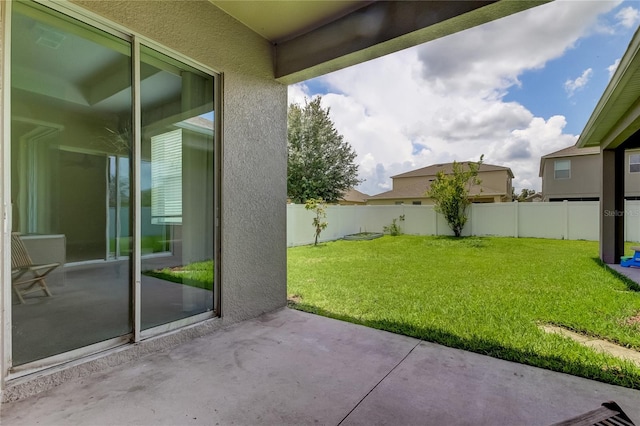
{"points": [[294, 368], [120, 87]]}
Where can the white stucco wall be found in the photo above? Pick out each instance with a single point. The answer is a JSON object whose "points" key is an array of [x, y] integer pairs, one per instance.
{"points": [[255, 136]]}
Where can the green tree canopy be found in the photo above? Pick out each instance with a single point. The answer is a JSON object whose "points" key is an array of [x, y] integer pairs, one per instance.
{"points": [[451, 193], [524, 194], [320, 161]]}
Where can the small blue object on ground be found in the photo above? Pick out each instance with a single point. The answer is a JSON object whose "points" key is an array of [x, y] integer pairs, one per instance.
{"points": [[631, 260]]}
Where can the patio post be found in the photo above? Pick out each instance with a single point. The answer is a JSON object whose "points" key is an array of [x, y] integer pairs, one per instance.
{"points": [[612, 205]]}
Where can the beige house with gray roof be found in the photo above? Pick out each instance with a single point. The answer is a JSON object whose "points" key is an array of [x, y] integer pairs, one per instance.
{"points": [[410, 187], [573, 174]]}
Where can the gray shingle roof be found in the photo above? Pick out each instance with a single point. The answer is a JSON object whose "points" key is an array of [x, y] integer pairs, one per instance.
{"points": [[354, 196], [447, 168], [572, 151]]}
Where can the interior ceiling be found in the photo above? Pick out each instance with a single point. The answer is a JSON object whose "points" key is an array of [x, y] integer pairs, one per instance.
{"points": [[281, 20]]}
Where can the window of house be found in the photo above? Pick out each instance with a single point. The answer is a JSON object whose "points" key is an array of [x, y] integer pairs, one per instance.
{"points": [[562, 169], [417, 203], [119, 206], [634, 163]]}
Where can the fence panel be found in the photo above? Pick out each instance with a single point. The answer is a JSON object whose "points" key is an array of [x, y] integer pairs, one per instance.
{"points": [[565, 220], [494, 219], [419, 220], [583, 220], [632, 220], [542, 220]]}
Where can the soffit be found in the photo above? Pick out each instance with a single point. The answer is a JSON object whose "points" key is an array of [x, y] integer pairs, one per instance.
{"points": [[312, 37], [617, 115], [280, 20]]}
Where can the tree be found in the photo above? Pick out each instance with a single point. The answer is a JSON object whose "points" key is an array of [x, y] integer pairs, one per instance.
{"points": [[320, 161], [524, 193], [451, 193], [318, 206]]}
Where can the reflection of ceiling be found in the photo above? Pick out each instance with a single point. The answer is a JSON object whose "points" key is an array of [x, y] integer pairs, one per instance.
{"points": [[84, 69]]}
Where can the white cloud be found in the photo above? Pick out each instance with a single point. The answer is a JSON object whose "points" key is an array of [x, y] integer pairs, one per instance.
{"points": [[628, 17], [571, 86], [443, 101], [488, 59], [297, 93], [613, 67]]}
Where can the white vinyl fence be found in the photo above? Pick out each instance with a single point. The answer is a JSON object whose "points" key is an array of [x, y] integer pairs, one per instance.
{"points": [[566, 220]]}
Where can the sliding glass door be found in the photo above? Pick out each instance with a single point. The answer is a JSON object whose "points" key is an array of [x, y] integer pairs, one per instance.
{"points": [[78, 171], [177, 201]]}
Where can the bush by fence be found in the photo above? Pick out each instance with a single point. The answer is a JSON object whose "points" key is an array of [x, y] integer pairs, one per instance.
{"points": [[565, 220]]}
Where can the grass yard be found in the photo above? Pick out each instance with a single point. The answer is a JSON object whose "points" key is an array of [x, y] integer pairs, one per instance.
{"points": [[197, 274], [486, 295]]}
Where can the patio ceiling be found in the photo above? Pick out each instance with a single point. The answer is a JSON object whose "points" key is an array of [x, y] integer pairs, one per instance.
{"points": [[616, 117], [312, 38]]}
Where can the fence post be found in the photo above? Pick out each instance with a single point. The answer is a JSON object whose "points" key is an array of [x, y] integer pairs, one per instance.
{"points": [[435, 215], [566, 219], [290, 220], [516, 233], [471, 220]]}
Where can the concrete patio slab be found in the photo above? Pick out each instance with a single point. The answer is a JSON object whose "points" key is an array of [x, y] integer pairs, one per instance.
{"points": [[290, 367], [440, 385], [630, 272]]}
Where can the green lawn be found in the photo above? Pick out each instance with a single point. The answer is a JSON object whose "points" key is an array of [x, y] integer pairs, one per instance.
{"points": [[197, 274], [486, 295]]}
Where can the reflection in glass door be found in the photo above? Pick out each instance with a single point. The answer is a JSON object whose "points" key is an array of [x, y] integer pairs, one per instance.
{"points": [[75, 187], [177, 189], [70, 114]]}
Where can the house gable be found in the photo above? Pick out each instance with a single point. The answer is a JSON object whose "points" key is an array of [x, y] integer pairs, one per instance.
{"points": [[495, 185]]}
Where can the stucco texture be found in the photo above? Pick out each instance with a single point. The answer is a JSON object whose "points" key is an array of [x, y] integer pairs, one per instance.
{"points": [[254, 152]]}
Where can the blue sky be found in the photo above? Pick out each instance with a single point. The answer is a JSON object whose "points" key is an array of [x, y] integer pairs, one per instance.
{"points": [[513, 90]]}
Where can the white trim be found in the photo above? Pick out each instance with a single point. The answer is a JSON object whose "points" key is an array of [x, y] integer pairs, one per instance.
{"points": [[136, 154], [175, 325], [5, 196], [67, 357]]}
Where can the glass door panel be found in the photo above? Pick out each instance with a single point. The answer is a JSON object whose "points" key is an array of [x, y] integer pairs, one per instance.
{"points": [[176, 190], [70, 115]]}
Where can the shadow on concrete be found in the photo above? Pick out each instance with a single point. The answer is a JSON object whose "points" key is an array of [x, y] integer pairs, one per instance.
{"points": [[487, 347]]}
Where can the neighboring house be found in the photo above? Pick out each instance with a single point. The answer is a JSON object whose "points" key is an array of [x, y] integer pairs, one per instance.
{"points": [[533, 198], [411, 187], [573, 174], [138, 135], [353, 197]]}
